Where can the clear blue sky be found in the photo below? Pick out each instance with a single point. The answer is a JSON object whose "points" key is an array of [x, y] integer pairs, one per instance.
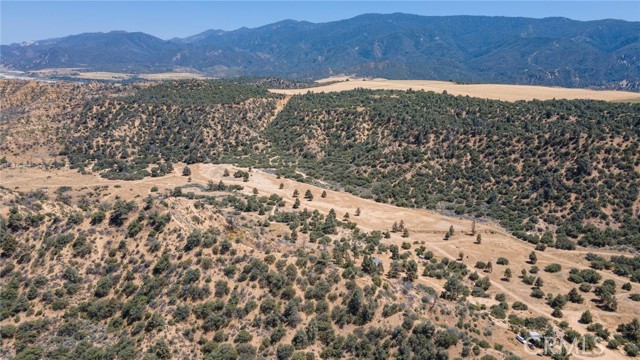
{"points": [[35, 20]]}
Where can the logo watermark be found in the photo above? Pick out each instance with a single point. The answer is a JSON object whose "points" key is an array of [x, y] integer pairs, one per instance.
{"points": [[588, 346]]}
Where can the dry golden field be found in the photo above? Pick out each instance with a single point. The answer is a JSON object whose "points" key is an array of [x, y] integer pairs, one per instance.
{"points": [[487, 91]]}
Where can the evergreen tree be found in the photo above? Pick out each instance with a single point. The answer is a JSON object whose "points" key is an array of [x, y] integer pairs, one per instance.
{"points": [[507, 274], [586, 317], [308, 195], [411, 271], [369, 266]]}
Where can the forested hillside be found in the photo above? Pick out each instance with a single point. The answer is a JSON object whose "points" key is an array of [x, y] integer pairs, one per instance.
{"points": [[555, 172], [190, 121], [135, 236], [556, 169]]}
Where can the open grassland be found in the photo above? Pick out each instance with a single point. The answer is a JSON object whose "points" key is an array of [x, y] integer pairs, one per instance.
{"points": [[112, 76], [485, 91]]}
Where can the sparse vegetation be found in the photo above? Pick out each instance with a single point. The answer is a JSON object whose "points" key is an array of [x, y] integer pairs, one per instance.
{"points": [[243, 270]]}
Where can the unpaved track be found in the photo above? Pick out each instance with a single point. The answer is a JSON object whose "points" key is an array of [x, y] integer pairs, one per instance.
{"points": [[426, 227]]}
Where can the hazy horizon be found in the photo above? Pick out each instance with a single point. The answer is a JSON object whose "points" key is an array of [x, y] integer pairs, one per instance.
{"points": [[28, 21]]}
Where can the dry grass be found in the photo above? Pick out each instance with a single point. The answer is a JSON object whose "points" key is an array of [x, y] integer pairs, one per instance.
{"points": [[114, 76], [488, 91], [426, 228], [172, 76]]}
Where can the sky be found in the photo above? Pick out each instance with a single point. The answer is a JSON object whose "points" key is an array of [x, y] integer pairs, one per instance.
{"points": [[35, 20]]}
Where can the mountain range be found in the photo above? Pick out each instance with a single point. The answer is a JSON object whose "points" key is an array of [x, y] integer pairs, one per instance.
{"points": [[550, 51]]}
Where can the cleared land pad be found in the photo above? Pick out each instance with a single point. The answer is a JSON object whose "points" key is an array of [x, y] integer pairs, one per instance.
{"points": [[486, 91]]}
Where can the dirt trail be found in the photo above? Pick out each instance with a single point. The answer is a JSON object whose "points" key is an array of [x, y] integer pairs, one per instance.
{"points": [[425, 227]]}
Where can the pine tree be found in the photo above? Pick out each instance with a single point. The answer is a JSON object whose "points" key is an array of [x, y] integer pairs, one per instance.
{"points": [[369, 266], [296, 193], [281, 186], [586, 317], [507, 274], [411, 271], [533, 258], [330, 223], [557, 313], [394, 270], [308, 195], [296, 204], [357, 212], [479, 239], [324, 194]]}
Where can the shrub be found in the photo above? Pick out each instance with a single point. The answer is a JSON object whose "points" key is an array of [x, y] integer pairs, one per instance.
{"points": [[243, 337], [498, 312], [553, 268], [518, 305], [284, 351]]}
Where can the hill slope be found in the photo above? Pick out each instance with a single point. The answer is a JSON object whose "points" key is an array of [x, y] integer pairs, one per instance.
{"points": [[130, 253], [551, 51]]}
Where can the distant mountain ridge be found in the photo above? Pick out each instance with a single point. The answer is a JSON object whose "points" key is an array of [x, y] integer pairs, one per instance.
{"points": [[550, 51]]}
